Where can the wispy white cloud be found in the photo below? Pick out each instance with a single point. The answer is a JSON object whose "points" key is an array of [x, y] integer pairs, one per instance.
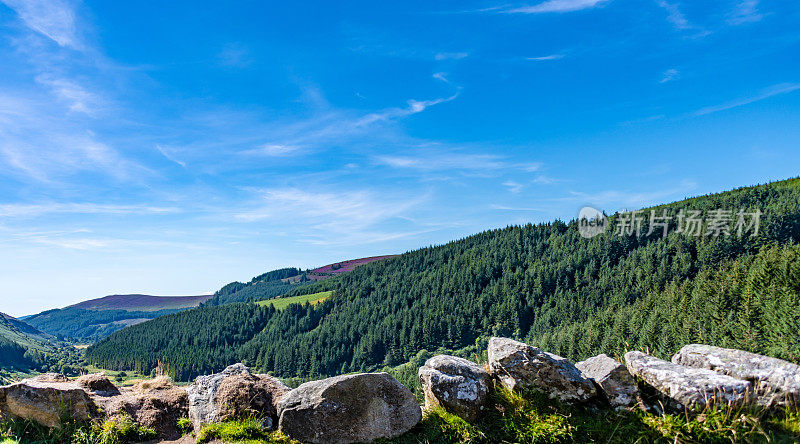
{"points": [[274, 150], [546, 58], [509, 208], [746, 11], [166, 152], [772, 91], [441, 76], [443, 160], [39, 142], [558, 6], [19, 210], [451, 55], [55, 19], [616, 200], [323, 217], [78, 98], [669, 75], [513, 187], [674, 15], [545, 180]]}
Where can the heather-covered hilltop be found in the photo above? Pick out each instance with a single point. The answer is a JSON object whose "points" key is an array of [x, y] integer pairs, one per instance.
{"points": [[522, 394]]}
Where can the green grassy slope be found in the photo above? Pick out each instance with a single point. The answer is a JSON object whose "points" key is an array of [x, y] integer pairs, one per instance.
{"points": [[543, 283], [282, 303]]}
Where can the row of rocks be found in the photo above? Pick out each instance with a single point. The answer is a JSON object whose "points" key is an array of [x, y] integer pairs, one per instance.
{"points": [[698, 376], [368, 406], [344, 409], [47, 397]]}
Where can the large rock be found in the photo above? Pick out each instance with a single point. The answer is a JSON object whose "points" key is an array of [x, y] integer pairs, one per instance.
{"points": [[157, 404], [613, 378], [232, 393], [50, 377], [520, 366], [98, 383], [459, 386], [775, 381], [687, 386], [348, 409], [46, 402]]}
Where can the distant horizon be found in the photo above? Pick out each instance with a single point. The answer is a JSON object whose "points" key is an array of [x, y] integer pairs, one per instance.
{"points": [[169, 149]]}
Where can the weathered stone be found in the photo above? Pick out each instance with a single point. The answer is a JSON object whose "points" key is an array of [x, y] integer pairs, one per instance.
{"points": [[50, 377], [348, 409], [459, 386], [156, 406], [521, 366], [98, 383], [46, 402], [613, 378], [775, 381], [687, 386], [234, 392]]}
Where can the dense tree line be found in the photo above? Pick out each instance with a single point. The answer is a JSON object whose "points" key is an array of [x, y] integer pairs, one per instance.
{"points": [[264, 286], [188, 343], [12, 355], [541, 283]]}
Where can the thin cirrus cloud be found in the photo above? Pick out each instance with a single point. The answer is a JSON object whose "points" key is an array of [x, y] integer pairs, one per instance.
{"points": [[274, 150], [546, 58], [77, 97], [443, 161], [55, 19], [513, 187], [451, 55], [558, 6], [322, 217], [746, 11], [43, 209], [775, 90], [669, 75]]}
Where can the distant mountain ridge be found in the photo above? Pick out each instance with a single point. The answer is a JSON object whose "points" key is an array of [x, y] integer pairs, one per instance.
{"points": [[141, 302], [95, 319]]}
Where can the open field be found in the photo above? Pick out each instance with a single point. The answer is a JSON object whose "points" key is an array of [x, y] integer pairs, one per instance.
{"points": [[282, 303]]}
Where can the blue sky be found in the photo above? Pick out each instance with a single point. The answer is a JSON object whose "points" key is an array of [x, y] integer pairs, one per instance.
{"points": [[172, 147]]}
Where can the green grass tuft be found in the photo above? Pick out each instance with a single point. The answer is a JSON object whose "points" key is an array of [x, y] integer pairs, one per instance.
{"points": [[245, 430], [117, 430], [184, 426], [533, 418]]}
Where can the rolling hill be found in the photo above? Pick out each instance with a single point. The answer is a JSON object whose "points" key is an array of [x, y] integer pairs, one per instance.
{"points": [[141, 302], [544, 284], [95, 319]]}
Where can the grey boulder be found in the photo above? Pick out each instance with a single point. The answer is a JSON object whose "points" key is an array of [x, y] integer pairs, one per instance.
{"points": [[233, 392], [521, 366], [348, 409], [459, 386], [613, 378], [687, 386], [775, 381]]}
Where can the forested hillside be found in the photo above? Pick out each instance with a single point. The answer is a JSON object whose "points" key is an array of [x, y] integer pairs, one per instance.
{"points": [[265, 286], [543, 283], [23, 347]]}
